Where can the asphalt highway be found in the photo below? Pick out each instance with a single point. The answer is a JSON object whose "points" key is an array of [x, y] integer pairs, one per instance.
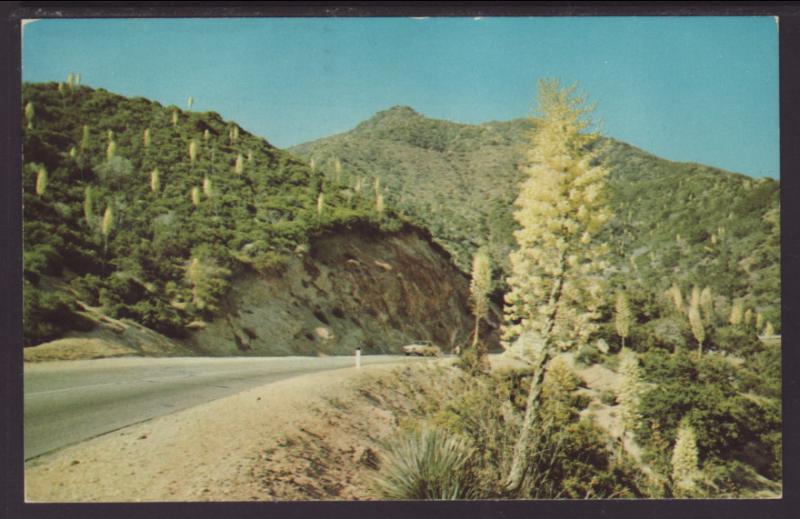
{"points": [[69, 402]]}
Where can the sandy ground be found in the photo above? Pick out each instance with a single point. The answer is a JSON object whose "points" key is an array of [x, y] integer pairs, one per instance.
{"points": [[310, 437]]}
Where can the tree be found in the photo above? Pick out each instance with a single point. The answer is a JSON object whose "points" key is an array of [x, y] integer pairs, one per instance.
{"points": [[556, 282], [622, 319], [479, 289]]}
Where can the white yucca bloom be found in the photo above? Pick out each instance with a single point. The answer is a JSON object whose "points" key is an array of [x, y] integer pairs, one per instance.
{"points": [[29, 114], [111, 150], [238, 168], [108, 221], [685, 459], [195, 194], [146, 138], [630, 391], [207, 187], [737, 312], [320, 204], [155, 181], [192, 151], [41, 181]]}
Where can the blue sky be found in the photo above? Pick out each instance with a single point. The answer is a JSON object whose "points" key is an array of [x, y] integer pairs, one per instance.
{"points": [[701, 89]]}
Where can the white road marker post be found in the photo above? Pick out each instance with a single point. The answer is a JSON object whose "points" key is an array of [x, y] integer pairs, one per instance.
{"points": [[358, 358]]}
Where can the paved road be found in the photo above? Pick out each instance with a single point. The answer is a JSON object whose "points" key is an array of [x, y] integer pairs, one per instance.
{"points": [[69, 402]]}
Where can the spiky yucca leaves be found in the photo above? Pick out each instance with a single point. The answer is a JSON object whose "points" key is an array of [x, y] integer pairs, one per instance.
{"points": [[426, 464], [622, 317], [630, 390], [557, 280], [685, 460]]}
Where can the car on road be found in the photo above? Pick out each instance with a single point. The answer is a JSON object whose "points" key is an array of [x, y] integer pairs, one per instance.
{"points": [[422, 349]]}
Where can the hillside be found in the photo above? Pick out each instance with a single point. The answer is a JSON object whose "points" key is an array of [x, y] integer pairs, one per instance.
{"points": [[140, 213], [675, 223]]}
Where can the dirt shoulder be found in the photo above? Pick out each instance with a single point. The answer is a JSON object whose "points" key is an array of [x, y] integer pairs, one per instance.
{"points": [[309, 437]]}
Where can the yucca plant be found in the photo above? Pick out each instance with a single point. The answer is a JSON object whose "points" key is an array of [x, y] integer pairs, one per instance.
{"points": [[41, 181], [427, 464]]}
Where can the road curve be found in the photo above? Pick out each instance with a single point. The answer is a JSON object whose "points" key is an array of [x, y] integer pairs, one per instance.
{"points": [[69, 402]]}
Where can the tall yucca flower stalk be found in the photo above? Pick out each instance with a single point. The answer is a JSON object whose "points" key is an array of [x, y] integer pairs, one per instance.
{"points": [[175, 118], [479, 288], [707, 305], [192, 151], [88, 206], [85, 137], [155, 181], [233, 134], [379, 204], [320, 204], [73, 152], [759, 320], [77, 80], [206, 135], [195, 196], [337, 167], [737, 311], [146, 138], [61, 88], [249, 156], [677, 298], [107, 226], [694, 299], [70, 80], [190, 102], [41, 181], [312, 163], [208, 189], [768, 329], [685, 459], [622, 318], [377, 185], [630, 389], [239, 167], [748, 317], [29, 114], [557, 283], [696, 324], [110, 135], [111, 150]]}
